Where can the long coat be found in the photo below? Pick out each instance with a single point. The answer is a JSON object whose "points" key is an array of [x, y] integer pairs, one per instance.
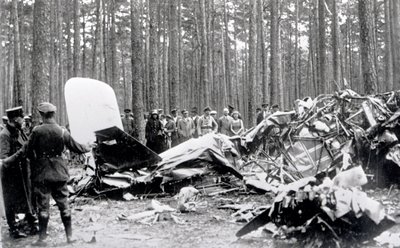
{"points": [[154, 136], [16, 177], [185, 128]]}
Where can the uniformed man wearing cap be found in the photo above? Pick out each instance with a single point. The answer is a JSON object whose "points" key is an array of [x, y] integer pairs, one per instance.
{"points": [[207, 124], [49, 169], [128, 122], [15, 176], [263, 114], [231, 109]]}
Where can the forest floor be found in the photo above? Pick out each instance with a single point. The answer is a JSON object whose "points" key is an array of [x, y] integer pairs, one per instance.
{"points": [[207, 227]]}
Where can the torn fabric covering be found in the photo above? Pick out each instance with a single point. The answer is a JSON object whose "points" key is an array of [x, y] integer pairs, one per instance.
{"points": [[196, 157], [310, 156], [118, 151]]}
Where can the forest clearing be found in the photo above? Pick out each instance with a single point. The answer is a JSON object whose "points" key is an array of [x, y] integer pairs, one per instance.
{"points": [[200, 123]]}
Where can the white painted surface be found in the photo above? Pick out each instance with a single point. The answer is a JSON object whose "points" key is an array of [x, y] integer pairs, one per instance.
{"points": [[91, 106]]}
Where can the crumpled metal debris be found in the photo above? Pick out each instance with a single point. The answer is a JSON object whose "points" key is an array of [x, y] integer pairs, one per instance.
{"points": [[325, 135]]}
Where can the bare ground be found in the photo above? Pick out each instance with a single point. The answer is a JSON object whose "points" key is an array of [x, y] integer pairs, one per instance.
{"points": [[207, 227]]}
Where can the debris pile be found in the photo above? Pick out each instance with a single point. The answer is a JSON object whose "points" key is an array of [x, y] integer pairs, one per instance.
{"points": [[323, 136], [297, 154], [322, 214]]}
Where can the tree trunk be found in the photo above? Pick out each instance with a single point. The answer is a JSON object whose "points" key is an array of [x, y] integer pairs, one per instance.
{"points": [[165, 59], [113, 47], [252, 63], [388, 49], [203, 60], [18, 83], [367, 66], [322, 84], [395, 21], [263, 52], [68, 34], [40, 48], [136, 60], [173, 57], [159, 59], [275, 64], [77, 40], [335, 46], [153, 55], [227, 55], [94, 68], [297, 74], [83, 67], [60, 101]]}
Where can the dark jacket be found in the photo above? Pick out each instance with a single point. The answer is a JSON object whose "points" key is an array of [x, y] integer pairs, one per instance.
{"points": [[45, 147], [16, 176], [260, 117], [154, 135]]}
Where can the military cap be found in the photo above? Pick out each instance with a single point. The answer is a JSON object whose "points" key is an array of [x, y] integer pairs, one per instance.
{"points": [[230, 106], [207, 109], [4, 118], [184, 111], [213, 112], [27, 117], [46, 107], [15, 112], [258, 109], [154, 112], [173, 110], [169, 117], [264, 105], [127, 110]]}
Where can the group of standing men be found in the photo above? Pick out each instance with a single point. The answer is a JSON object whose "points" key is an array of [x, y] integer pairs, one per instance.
{"points": [[33, 169], [165, 131]]}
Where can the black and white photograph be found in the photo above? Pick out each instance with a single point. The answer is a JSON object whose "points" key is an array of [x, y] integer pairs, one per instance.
{"points": [[200, 123]]}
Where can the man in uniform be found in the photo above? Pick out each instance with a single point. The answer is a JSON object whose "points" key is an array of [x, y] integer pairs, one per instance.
{"points": [[49, 169], [207, 124], [231, 109], [15, 177], [263, 114], [127, 122], [275, 108], [224, 123]]}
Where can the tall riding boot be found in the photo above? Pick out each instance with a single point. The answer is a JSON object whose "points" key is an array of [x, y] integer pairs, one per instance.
{"points": [[43, 222], [68, 228], [32, 223]]}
